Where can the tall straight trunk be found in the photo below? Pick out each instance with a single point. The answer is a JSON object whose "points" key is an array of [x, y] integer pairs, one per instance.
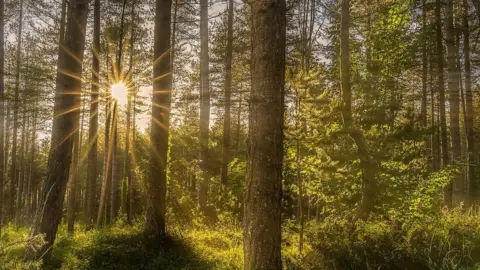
{"points": [[106, 165], [424, 65], [13, 170], [66, 111], [262, 216], [32, 168], [469, 106], [204, 107], [21, 167], [448, 190], [114, 188], [93, 124], [162, 85], [453, 91], [3, 154], [435, 147], [120, 44], [73, 184], [239, 120], [366, 161], [476, 4], [228, 94]]}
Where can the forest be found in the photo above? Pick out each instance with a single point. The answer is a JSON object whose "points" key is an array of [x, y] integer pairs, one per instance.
{"points": [[229, 134]]}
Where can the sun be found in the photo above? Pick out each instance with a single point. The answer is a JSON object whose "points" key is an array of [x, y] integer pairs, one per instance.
{"points": [[119, 93]]}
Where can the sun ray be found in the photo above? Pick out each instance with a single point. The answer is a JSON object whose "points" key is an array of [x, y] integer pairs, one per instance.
{"points": [[162, 76], [160, 106], [76, 108], [161, 92], [69, 135]]}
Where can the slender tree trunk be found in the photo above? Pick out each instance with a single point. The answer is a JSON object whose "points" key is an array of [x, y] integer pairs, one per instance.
{"points": [[262, 216], [106, 165], [204, 107], [32, 169], [92, 173], [66, 110], [128, 139], [13, 170], [228, 91], [239, 124], [424, 65], [469, 106], [453, 80], [448, 190], [21, 169], [162, 85], [366, 161], [73, 184], [115, 169], [3, 153]]}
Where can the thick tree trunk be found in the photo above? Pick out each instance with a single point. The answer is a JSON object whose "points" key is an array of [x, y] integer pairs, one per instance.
{"points": [[93, 124], [3, 154], [469, 106], [228, 93], [448, 190], [453, 80], [66, 110], [262, 216], [14, 169], [366, 161], [204, 108], [162, 85]]}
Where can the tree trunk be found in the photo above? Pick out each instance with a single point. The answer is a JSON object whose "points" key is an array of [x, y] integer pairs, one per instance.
{"points": [[13, 170], [228, 91], [66, 110], [114, 188], [453, 80], [162, 85], [424, 65], [448, 190], [3, 154], [204, 107], [21, 169], [366, 161], [73, 184], [469, 106], [106, 165], [32, 168], [262, 216], [93, 124]]}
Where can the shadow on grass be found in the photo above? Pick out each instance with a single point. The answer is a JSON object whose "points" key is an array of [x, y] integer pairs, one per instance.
{"points": [[132, 250]]}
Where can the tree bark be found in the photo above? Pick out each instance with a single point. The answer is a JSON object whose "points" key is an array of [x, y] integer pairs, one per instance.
{"points": [[13, 170], [92, 173], [66, 110], [448, 190], [228, 93], [204, 108], [453, 80], [424, 65], [73, 184], [162, 85], [469, 106], [3, 154], [262, 216]]}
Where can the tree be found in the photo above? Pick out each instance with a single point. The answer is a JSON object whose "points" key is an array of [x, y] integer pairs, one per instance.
{"points": [[93, 129], [453, 94], [469, 105], [13, 170], [2, 110], [66, 110], [366, 161], [161, 102], [441, 90], [228, 93], [204, 107], [262, 217]]}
